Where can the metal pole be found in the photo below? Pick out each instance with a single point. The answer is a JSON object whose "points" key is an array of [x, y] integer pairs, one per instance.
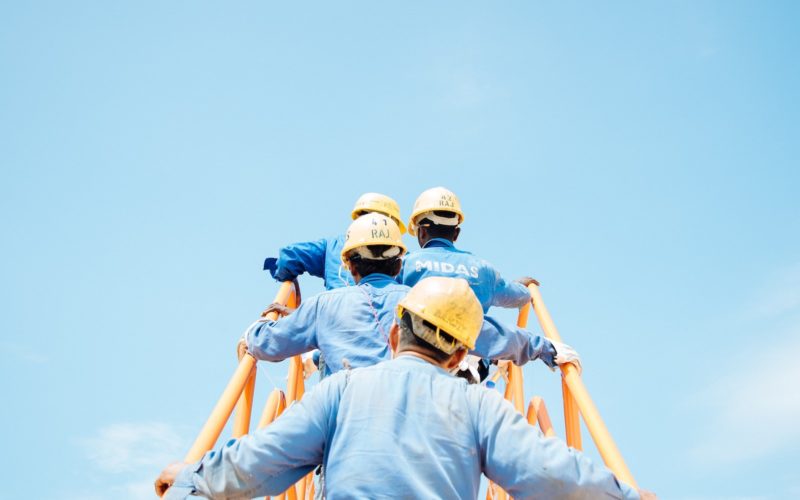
{"points": [[572, 419], [275, 405], [222, 410], [597, 428], [244, 407], [537, 413]]}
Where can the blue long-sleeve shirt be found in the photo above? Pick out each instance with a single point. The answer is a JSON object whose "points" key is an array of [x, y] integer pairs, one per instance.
{"points": [[342, 324], [321, 258], [350, 323], [440, 257], [401, 429]]}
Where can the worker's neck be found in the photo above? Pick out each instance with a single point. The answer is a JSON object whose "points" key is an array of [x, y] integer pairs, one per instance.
{"points": [[417, 354], [424, 243]]}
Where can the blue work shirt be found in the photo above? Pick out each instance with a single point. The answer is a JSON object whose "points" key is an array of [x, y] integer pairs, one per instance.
{"points": [[342, 324], [350, 323], [321, 258], [401, 429], [440, 257]]}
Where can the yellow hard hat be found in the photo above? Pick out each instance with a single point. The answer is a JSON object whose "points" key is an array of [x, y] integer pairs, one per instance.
{"points": [[450, 305], [376, 202], [373, 229], [435, 199]]}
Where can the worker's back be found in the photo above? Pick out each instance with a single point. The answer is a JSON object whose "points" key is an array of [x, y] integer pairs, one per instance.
{"points": [[349, 325], [440, 257], [401, 432], [408, 429]]}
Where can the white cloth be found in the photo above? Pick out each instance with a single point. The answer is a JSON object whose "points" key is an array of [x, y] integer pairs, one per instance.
{"points": [[566, 354]]}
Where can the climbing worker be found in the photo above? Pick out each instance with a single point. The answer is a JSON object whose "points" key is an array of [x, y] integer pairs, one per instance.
{"points": [[350, 325], [322, 258], [435, 221], [404, 428]]}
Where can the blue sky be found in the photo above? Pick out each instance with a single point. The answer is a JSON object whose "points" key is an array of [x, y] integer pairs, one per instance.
{"points": [[639, 159]]}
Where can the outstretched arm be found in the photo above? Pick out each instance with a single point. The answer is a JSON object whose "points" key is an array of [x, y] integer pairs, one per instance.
{"points": [[268, 461], [298, 258], [510, 294], [293, 334], [500, 341], [524, 463]]}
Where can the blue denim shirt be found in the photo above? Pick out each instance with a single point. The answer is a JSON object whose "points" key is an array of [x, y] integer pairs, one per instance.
{"points": [[440, 257], [400, 429], [321, 258]]}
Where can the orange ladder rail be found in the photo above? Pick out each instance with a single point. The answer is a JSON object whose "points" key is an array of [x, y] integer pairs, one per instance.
{"points": [[591, 416], [537, 413], [222, 410]]}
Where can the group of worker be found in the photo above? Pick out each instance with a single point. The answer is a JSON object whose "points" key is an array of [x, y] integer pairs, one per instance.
{"points": [[390, 419]]}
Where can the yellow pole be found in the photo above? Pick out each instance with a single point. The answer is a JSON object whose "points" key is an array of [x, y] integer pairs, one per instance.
{"points": [[537, 413], [597, 428], [224, 407]]}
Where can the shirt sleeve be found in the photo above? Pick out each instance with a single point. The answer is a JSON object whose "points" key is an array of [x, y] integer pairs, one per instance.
{"points": [[499, 341], [517, 457], [288, 336], [298, 258], [509, 294], [271, 459]]}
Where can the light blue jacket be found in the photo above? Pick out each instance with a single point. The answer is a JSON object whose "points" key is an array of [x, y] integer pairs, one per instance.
{"points": [[401, 429], [321, 258], [342, 324], [440, 257]]}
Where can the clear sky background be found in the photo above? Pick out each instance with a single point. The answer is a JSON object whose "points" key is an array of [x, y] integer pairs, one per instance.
{"points": [[638, 158]]}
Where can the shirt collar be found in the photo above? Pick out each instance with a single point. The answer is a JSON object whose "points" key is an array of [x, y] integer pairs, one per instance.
{"points": [[439, 242], [376, 278], [419, 362]]}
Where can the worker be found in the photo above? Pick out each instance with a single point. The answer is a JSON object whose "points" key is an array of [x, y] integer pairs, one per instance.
{"points": [[404, 428], [350, 325], [435, 221], [322, 258]]}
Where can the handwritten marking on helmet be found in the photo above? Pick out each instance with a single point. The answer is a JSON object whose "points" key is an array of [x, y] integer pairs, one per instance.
{"points": [[447, 201]]}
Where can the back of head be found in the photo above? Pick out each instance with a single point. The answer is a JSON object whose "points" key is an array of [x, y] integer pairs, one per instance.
{"points": [[373, 244], [380, 203], [439, 209], [443, 312]]}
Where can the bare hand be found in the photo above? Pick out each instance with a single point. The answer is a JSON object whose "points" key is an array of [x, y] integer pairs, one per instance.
{"points": [[279, 309], [647, 495], [167, 477], [241, 348], [309, 367], [527, 281]]}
